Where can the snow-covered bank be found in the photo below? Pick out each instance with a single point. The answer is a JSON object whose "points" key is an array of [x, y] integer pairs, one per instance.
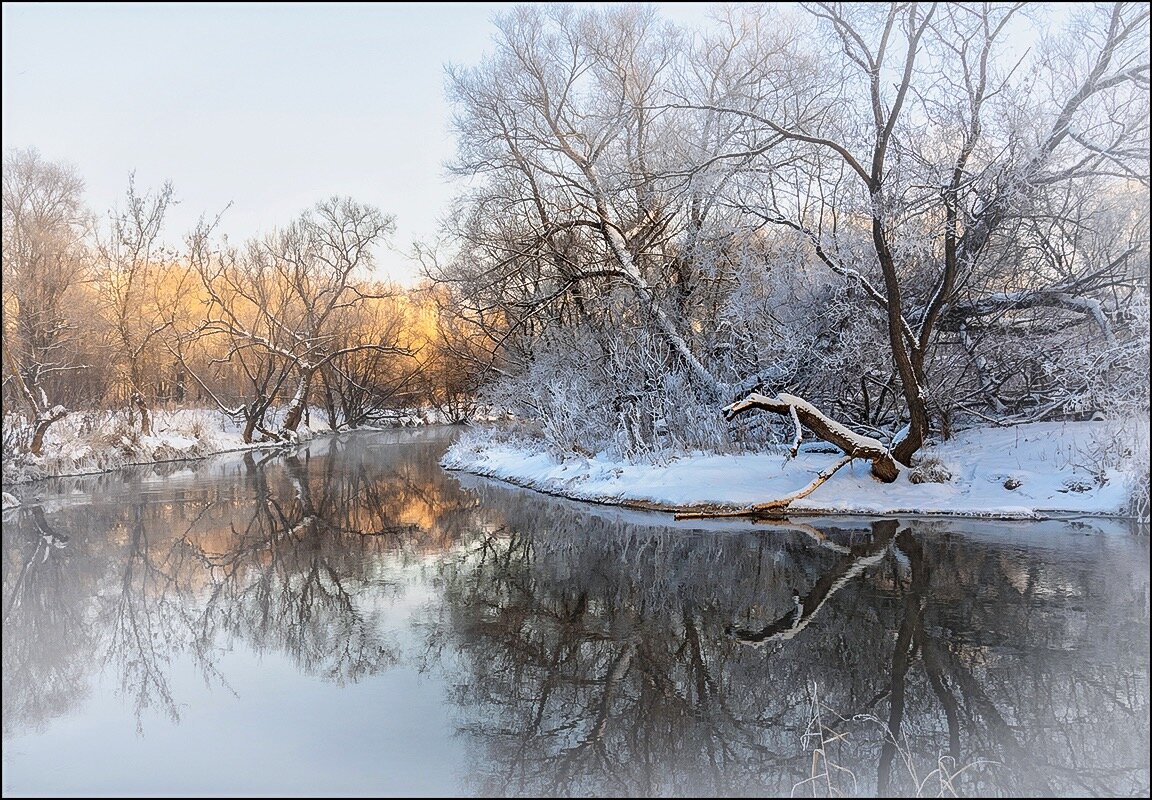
{"points": [[92, 442], [1024, 471]]}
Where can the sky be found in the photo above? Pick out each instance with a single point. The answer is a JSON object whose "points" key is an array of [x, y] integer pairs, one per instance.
{"points": [[269, 107]]}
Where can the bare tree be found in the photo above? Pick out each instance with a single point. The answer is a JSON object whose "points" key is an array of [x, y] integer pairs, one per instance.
{"points": [[560, 122], [281, 303], [937, 155], [45, 260], [140, 291]]}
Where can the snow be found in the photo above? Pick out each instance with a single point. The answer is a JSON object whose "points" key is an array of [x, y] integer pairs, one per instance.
{"points": [[1057, 467], [90, 442]]}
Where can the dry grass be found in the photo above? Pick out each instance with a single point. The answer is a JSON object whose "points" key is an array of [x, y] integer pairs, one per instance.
{"points": [[826, 778]]}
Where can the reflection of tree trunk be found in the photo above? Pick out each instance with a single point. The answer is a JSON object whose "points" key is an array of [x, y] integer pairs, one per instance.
{"points": [[141, 635], [859, 558], [707, 695], [902, 656], [938, 661], [303, 489], [977, 700], [698, 666], [48, 540], [934, 668], [612, 681], [568, 640]]}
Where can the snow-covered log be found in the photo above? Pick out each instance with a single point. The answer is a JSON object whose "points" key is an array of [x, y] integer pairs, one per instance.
{"points": [[778, 504], [854, 445]]}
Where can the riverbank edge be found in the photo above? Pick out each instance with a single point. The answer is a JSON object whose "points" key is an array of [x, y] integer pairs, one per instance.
{"points": [[732, 511], [79, 447], [269, 448], [702, 485]]}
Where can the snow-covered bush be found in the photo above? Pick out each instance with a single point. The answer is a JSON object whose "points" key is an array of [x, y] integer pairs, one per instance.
{"points": [[95, 441], [1119, 446], [584, 394], [930, 470]]}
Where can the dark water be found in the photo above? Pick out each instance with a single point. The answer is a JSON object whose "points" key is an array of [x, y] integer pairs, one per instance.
{"points": [[355, 621]]}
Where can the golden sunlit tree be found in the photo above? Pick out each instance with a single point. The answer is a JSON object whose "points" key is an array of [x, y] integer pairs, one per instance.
{"points": [[45, 260], [141, 290], [281, 306]]}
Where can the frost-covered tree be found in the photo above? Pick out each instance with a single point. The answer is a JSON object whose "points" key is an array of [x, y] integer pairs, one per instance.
{"points": [[45, 226], [902, 213], [279, 307], [142, 289], [953, 180], [561, 122]]}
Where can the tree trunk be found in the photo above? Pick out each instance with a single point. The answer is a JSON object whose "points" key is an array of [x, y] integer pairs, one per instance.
{"points": [[249, 428], [43, 423], [884, 467], [38, 436], [145, 416], [296, 406], [254, 418], [329, 401], [37, 402]]}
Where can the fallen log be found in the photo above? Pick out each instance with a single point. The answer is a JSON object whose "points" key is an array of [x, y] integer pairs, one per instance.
{"points": [[779, 504], [854, 445]]}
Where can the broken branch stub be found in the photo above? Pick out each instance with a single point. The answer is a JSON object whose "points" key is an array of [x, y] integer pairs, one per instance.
{"points": [[855, 445]]}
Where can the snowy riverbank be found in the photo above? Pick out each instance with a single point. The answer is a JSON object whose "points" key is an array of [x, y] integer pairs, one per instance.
{"points": [[1024, 471], [99, 441]]}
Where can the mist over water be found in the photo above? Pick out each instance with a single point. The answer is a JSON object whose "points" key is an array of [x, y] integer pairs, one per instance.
{"points": [[353, 620]]}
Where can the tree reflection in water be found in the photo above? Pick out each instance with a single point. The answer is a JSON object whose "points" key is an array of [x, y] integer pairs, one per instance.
{"points": [[48, 661], [603, 658], [286, 555], [594, 651]]}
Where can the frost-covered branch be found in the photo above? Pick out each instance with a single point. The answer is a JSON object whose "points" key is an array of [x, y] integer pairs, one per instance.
{"points": [[855, 445]]}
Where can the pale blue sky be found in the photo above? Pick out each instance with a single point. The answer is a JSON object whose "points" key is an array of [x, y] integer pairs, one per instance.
{"points": [[270, 106]]}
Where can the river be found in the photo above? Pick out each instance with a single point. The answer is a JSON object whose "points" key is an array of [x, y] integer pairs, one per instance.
{"points": [[353, 620]]}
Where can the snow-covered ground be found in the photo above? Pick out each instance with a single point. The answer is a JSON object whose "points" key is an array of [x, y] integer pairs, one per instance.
{"points": [[91, 442], [1024, 471]]}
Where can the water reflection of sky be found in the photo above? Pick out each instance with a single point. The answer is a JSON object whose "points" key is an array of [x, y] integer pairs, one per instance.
{"points": [[281, 733], [353, 621]]}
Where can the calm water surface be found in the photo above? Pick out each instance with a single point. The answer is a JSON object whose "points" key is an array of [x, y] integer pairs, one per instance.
{"points": [[352, 620]]}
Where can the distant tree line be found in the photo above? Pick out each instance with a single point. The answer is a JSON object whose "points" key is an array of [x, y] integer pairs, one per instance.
{"points": [[109, 313]]}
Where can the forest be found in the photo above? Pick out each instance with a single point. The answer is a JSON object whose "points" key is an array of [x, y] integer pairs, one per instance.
{"points": [[880, 223]]}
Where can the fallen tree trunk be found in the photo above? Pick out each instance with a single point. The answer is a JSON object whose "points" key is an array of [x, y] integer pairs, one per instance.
{"points": [[854, 445], [804, 414], [780, 503]]}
